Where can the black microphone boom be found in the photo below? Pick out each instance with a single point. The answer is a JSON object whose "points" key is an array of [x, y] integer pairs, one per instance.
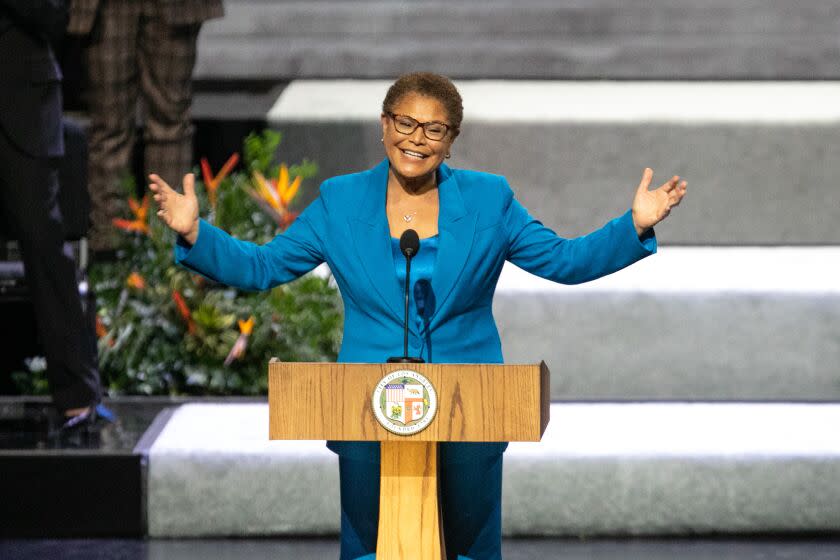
{"points": [[409, 245]]}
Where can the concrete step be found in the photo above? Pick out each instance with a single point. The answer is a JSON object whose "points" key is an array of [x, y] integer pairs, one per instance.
{"points": [[762, 159], [601, 469], [636, 39], [697, 323]]}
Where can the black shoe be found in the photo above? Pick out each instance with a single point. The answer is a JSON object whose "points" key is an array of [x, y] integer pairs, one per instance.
{"points": [[81, 421], [83, 430]]}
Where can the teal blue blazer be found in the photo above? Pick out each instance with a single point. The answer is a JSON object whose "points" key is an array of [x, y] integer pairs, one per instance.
{"points": [[480, 225]]}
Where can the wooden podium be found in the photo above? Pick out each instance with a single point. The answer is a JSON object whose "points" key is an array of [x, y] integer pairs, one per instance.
{"points": [[475, 402]]}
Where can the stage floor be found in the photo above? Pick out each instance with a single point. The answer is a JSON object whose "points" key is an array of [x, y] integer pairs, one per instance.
{"points": [[513, 549]]}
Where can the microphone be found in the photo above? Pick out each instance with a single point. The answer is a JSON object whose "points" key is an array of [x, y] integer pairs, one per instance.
{"points": [[409, 245]]}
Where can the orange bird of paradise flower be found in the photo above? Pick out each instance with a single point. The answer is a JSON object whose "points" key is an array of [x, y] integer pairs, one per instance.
{"points": [[211, 183], [141, 214], [238, 348], [102, 332], [135, 281], [274, 195], [183, 310]]}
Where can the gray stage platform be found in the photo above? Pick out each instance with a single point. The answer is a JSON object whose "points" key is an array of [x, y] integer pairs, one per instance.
{"points": [[674, 338], [601, 469]]}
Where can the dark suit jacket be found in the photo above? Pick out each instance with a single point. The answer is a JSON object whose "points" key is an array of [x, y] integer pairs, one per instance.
{"points": [[175, 12], [30, 87]]}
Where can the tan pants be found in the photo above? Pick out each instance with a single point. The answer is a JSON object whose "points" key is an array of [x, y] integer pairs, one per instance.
{"points": [[133, 53]]}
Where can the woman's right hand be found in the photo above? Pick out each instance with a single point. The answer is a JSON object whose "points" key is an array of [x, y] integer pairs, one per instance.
{"points": [[178, 211]]}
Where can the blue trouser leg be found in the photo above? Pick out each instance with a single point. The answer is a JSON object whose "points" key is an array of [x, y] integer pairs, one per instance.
{"points": [[359, 507], [471, 488], [471, 500]]}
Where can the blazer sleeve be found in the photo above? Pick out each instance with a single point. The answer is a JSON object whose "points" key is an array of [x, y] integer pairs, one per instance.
{"points": [[539, 250], [248, 266]]}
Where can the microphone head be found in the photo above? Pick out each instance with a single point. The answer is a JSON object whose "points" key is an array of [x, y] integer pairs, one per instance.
{"points": [[409, 243]]}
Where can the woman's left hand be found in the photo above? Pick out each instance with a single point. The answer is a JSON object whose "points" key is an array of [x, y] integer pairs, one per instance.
{"points": [[651, 207]]}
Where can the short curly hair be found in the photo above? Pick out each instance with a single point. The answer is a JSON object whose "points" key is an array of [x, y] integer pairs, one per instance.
{"points": [[431, 85]]}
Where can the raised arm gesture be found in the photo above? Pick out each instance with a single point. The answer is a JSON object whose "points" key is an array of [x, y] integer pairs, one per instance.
{"points": [[651, 207], [178, 211]]}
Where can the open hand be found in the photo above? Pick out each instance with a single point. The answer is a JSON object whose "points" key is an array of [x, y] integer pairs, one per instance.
{"points": [[178, 211], [651, 207]]}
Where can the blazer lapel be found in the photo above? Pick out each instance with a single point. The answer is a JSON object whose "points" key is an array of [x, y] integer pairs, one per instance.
{"points": [[372, 240], [456, 228]]}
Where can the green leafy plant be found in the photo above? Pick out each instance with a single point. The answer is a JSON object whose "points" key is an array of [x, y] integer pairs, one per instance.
{"points": [[165, 330]]}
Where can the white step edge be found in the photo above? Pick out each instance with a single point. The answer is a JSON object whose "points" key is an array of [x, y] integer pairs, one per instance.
{"points": [[687, 430], [512, 101], [703, 270], [575, 430]]}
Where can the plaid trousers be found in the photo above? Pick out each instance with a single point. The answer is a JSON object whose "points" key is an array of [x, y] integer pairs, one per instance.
{"points": [[133, 52]]}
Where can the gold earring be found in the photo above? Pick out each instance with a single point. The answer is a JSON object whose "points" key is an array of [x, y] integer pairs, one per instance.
{"points": [[448, 155]]}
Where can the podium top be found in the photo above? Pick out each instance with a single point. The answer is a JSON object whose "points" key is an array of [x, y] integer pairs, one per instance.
{"points": [[475, 402]]}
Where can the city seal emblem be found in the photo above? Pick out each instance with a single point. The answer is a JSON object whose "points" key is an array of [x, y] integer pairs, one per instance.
{"points": [[404, 402]]}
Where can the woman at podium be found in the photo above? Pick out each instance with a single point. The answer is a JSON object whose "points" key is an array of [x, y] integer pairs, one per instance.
{"points": [[469, 223]]}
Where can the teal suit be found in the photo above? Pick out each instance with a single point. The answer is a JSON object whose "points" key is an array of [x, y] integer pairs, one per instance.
{"points": [[480, 226]]}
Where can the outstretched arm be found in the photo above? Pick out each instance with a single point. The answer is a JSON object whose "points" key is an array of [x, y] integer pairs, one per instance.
{"points": [[213, 253], [618, 244]]}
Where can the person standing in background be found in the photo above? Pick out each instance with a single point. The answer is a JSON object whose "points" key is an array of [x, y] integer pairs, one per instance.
{"points": [[131, 49], [31, 143]]}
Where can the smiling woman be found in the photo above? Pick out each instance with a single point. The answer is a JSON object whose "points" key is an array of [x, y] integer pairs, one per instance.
{"points": [[421, 117], [469, 224]]}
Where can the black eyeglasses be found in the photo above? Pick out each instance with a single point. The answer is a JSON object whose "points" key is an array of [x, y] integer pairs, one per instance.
{"points": [[406, 125]]}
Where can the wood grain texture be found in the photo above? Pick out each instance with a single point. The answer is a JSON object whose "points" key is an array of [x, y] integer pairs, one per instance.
{"points": [[476, 402], [409, 513]]}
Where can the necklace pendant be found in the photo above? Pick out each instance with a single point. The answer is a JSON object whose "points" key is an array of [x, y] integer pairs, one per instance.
{"points": [[409, 217]]}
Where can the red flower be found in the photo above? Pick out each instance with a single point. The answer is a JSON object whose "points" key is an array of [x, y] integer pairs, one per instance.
{"points": [[102, 332], [184, 311]]}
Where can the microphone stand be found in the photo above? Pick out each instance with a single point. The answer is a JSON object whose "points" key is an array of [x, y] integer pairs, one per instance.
{"points": [[409, 253]]}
